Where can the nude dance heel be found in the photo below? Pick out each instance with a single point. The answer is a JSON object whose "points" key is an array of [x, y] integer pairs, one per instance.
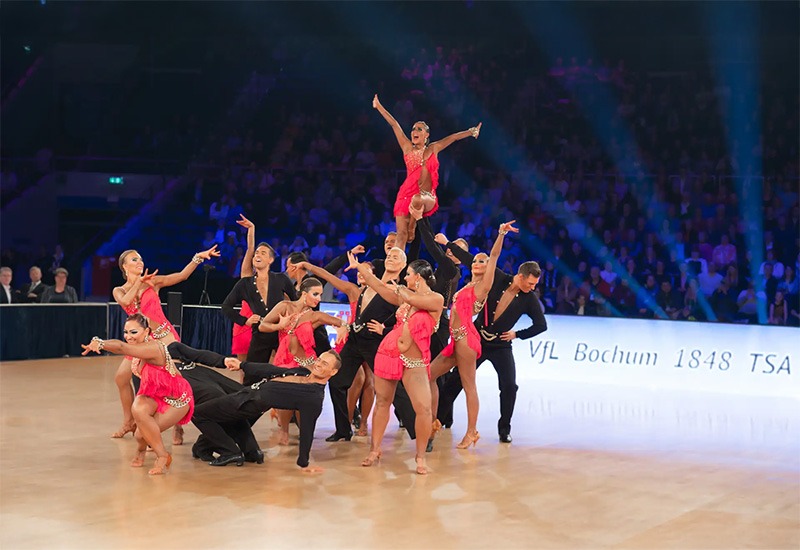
{"points": [[138, 460], [162, 465], [422, 468], [372, 458], [126, 428], [177, 435], [469, 440]]}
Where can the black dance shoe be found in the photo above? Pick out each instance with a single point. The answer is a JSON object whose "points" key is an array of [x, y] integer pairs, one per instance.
{"points": [[256, 457], [228, 459], [505, 438], [205, 457], [429, 448], [338, 437]]}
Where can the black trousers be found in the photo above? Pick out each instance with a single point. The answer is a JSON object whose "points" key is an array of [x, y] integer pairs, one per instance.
{"points": [[226, 423], [261, 347], [502, 359]]}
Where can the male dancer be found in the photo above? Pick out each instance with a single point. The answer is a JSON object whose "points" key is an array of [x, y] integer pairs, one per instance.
{"points": [[226, 420], [509, 298]]}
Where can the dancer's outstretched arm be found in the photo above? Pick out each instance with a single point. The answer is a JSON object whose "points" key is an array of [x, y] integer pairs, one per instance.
{"points": [[402, 139], [442, 144]]}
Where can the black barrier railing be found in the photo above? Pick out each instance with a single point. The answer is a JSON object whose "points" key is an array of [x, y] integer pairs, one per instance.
{"points": [[45, 331]]}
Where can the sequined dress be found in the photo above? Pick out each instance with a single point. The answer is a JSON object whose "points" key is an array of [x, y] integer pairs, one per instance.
{"points": [[165, 385], [242, 334], [410, 187], [389, 362], [149, 305], [465, 305], [305, 335]]}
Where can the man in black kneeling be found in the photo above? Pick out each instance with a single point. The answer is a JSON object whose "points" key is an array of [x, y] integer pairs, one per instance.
{"points": [[226, 420]]}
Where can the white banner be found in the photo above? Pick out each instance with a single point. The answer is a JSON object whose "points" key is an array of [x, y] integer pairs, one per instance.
{"points": [[744, 359]]}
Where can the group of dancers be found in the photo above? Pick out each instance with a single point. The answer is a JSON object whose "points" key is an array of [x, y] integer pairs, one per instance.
{"points": [[398, 337]]}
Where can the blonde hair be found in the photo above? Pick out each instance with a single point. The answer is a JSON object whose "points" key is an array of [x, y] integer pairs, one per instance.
{"points": [[402, 253], [122, 261]]}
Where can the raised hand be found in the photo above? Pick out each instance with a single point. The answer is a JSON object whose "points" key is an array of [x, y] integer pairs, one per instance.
{"points": [[441, 239], [210, 253], [244, 222], [358, 249], [506, 227], [476, 130], [354, 263], [147, 277], [375, 102]]}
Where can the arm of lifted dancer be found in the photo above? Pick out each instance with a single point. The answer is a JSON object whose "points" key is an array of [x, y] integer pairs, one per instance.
{"points": [[442, 144], [402, 139]]}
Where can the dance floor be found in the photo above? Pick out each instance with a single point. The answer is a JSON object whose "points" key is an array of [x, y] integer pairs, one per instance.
{"points": [[590, 467]]}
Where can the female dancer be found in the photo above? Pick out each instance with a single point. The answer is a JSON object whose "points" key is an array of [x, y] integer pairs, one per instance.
{"points": [[165, 398], [404, 354], [422, 165], [364, 382], [295, 322], [139, 294], [465, 343]]}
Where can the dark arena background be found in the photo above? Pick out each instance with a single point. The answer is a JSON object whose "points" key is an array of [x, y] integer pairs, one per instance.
{"points": [[647, 151]]}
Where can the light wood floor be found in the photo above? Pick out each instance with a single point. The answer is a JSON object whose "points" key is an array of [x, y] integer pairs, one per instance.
{"points": [[590, 467]]}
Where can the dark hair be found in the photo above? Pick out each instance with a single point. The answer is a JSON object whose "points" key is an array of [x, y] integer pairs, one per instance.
{"points": [[310, 282], [268, 247], [527, 269], [424, 270], [139, 318], [336, 356], [297, 257]]}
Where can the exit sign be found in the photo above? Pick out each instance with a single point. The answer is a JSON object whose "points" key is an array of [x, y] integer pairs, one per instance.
{"points": [[116, 180]]}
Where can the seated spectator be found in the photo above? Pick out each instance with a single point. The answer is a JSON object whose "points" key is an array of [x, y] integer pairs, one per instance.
{"points": [[608, 274], [584, 308], [7, 294], [789, 285], [321, 254], [723, 302], [724, 253], [566, 296], [623, 298], [646, 299], [778, 310], [60, 292], [669, 300], [747, 302], [709, 282], [32, 292]]}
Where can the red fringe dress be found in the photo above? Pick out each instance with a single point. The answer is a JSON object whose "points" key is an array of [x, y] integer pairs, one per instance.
{"points": [[410, 187], [242, 334], [150, 307], [465, 306], [389, 362], [305, 335], [165, 385]]}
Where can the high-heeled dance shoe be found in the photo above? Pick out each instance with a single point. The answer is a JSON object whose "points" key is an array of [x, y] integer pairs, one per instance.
{"points": [[162, 465], [126, 428], [429, 446], [422, 468], [338, 437], [256, 457], [177, 435], [372, 458], [470, 439], [228, 459], [138, 460]]}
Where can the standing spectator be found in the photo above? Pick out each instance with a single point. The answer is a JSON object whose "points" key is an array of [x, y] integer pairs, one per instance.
{"points": [[61, 292], [7, 294], [32, 292]]}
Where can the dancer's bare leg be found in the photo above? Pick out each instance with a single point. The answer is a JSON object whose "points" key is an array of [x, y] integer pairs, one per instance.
{"points": [[122, 379]]}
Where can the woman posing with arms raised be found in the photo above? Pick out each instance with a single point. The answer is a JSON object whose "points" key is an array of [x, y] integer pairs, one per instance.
{"points": [[422, 165], [465, 343], [139, 294], [165, 398], [405, 353]]}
